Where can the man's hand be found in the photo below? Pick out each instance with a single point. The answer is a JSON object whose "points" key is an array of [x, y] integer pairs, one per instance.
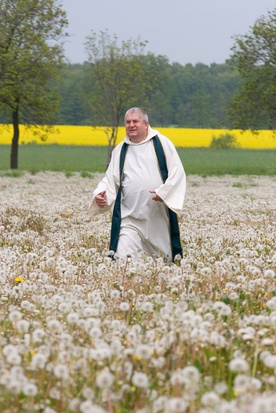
{"points": [[156, 197], [101, 200]]}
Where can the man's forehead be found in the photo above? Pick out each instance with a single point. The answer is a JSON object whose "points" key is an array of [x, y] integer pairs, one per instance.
{"points": [[133, 116]]}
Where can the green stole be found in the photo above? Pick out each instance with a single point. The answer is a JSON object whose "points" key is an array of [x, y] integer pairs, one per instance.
{"points": [[116, 217]]}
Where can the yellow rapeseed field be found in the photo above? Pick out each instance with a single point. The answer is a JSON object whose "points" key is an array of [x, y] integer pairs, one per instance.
{"points": [[87, 135]]}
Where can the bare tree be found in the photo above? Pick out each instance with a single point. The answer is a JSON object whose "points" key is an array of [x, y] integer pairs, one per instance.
{"points": [[124, 78]]}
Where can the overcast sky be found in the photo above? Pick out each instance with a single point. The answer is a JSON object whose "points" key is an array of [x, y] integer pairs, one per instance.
{"points": [[186, 31]]}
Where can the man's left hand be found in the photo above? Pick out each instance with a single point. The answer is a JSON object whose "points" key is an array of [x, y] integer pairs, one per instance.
{"points": [[156, 197]]}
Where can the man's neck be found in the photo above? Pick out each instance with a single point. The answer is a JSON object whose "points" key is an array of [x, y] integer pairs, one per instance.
{"points": [[138, 139]]}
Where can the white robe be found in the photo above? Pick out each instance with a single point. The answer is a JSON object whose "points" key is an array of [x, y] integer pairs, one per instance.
{"points": [[145, 223]]}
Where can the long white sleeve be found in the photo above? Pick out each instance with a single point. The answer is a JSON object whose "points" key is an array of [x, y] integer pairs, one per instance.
{"points": [[109, 183], [172, 192]]}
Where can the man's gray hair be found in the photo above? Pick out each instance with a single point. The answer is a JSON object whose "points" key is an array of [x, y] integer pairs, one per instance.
{"points": [[142, 113]]}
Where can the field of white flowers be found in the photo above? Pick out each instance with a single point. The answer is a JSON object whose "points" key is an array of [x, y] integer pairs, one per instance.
{"points": [[83, 334]]}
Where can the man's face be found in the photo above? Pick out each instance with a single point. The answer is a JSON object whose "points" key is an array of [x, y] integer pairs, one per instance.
{"points": [[136, 128]]}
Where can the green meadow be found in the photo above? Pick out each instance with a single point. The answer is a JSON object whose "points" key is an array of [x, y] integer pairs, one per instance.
{"points": [[86, 159]]}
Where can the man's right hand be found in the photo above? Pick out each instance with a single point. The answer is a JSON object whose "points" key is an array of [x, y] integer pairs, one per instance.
{"points": [[101, 199]]}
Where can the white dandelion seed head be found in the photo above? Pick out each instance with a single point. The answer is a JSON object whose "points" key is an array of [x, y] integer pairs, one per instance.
{"points": [[64, 307], [14, 359], [54, 326], [100, 354], [124, 306], [55, 393], [115, 294], [50, 263], [268, 341], [5, 378], [90, 312], [269, 273], [272, 319], [271, 304], [176, 405], [38, 335], [72, 318], [210, 399], [256, 384], [88, 393], [206, 271], [30, 389], [95, 332], [264, 354], [23, 326], [88, 407], [136, 329], [104, 379], [39, 361], [116, 325], [191, 374], [233, 296], [140, 379], [177, 378], [217, 339], [242, 384], [143, 351], [56, 299], [8, 349], [61, 371], [227, 407], [27, 305], [17, 372], [263, 404], [159, 404], [90, 323], [116, 346], [270, 361], [239, 365], [49, 410], [14, 386], [221, 387], [100, 307], [221, 308], [147, 306], [74, 405], [14, 316]]}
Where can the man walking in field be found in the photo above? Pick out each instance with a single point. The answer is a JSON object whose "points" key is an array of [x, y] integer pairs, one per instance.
{"points": [[146, 183]]}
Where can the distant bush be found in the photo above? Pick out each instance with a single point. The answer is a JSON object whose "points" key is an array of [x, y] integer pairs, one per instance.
{"points": [[224, 141]]}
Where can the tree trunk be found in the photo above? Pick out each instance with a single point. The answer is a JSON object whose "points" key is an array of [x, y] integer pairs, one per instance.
{"points": [[15, 139], [109, 153], [112, 140]]}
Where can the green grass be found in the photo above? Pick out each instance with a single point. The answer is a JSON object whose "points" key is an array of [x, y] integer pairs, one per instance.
{"points": [[85, 159]]}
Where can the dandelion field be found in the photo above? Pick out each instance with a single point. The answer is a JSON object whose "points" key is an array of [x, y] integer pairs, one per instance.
{"points": [[81, 333]]}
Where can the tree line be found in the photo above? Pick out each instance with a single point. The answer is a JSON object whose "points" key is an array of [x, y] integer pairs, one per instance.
{"points": [[190, 96]]}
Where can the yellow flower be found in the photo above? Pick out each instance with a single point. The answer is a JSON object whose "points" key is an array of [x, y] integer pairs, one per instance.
{"points": [[182, 137], [19, 280]]}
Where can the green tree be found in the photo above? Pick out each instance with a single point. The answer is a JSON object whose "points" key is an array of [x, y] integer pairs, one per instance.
{"points": [[73, 108], [254, 56], [31, 55], [157, 68], [125, 77]]}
